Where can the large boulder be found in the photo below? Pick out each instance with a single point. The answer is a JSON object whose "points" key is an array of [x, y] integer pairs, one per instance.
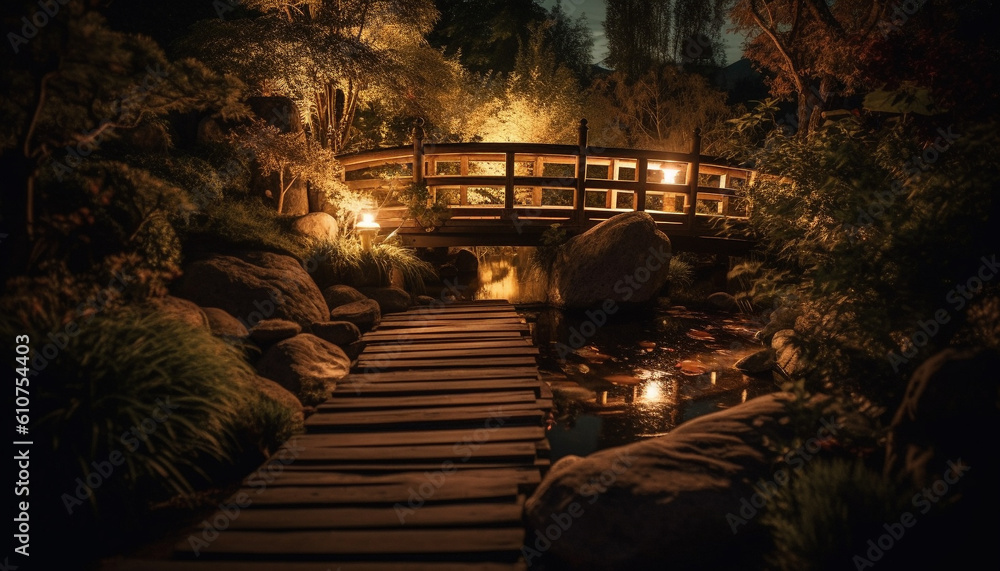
{"points": [[622, 260], [282, 396], [389, 299], [337, 295], [319, 226], [663, 502], [340, 333], [271, 331], [466, 262], [225, 325], [365, 314], [305, 365], [181, 310], [253, 287]]}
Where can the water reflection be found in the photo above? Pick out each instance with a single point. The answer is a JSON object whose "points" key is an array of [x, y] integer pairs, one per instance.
{"points": [[638, 375]]}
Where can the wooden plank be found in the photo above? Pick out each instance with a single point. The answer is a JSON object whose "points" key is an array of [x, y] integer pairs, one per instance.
{"points": [[454, 489], [383, 468], [365, 359], [447, 362], [374, 339], [345, 419], [247, 544], [454, 374], [430, 387], [339, 402], [509, 313], [429, 515], [454, 328], [154, 565], [414, 453], [405, 347], [332, 477]]}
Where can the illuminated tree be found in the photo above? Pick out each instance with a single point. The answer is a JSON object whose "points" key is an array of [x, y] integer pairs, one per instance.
{"points": [[660, 110], [331, 58]]}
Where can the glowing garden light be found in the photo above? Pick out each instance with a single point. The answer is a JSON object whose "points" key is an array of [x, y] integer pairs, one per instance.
{"points": [[367, 229]]}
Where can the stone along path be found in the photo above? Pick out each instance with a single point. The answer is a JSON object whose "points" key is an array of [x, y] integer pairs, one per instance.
{"points": [[420, 460]]}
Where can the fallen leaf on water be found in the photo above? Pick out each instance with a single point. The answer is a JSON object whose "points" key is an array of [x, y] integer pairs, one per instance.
{"points": [[700, 335], [692, 368], [622, 379]]}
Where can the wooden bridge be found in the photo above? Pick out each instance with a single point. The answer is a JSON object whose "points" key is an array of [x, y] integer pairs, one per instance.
{"points": [[420, 460], [509, 193]]}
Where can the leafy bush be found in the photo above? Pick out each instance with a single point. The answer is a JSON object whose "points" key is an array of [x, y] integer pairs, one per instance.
{"points": [[241, 224], [416, 198], [859, 240], [110, 378], [347, 262], [827, 513]]}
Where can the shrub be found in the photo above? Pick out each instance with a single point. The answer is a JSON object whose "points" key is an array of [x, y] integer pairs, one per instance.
{"points": [[552, 238], [827, 513], [171, 402], [346, 262], [241, 224]]}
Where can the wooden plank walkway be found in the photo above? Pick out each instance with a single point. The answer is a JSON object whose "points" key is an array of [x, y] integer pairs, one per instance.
{"points": [[421, 459]]}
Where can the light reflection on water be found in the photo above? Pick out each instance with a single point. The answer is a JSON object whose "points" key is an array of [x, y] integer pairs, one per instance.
{"points": [[623, 378]]}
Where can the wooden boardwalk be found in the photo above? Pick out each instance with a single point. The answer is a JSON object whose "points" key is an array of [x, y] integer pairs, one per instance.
{"points": [[420, 460]]}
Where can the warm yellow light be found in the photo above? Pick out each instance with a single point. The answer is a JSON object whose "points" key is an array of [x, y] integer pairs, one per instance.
{"points": [[670, 175], [368, 221], [367, 229], [653, 392]]}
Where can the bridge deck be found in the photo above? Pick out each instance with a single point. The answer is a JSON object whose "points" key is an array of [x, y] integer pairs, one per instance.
{"points": [[421, 459]]}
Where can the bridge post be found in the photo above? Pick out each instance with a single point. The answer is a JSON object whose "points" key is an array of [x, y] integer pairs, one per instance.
{"points": [[581, 175], [640, 193], [418, 151], [693, 168]]}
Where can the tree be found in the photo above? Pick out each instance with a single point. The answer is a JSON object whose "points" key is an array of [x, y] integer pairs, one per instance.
{"points": [[72, 94], [291, 157], [539, 101], [812, 46], [570, 41], [660, 110], [643, 34], [485, 34], [331, 58]]}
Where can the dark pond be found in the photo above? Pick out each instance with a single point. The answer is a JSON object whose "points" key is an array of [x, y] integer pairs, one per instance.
{"points": [[635, 375]]}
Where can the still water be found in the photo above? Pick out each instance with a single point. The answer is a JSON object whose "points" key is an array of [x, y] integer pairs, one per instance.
{"points": [[630, 376]]}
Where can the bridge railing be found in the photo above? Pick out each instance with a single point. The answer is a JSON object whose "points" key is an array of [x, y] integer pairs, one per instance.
{"points": [[539, 184]]}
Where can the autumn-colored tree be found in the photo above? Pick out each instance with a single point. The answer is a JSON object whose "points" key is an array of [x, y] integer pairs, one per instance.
{"points": [[812, 46]]}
